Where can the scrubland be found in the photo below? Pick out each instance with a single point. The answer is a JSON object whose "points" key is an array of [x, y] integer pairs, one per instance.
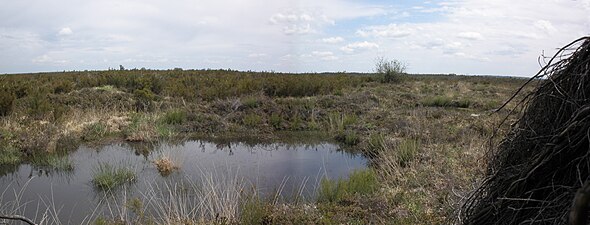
{"points": [[426, 136]]}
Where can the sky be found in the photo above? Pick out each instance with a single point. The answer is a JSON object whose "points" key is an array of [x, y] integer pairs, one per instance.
{"points": [[474, 37]]}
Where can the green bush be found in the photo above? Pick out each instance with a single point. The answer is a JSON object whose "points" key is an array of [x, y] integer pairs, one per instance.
{"points": [[389, 71]]}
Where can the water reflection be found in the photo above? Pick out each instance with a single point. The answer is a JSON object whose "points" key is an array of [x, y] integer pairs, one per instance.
{"points": [[291, 169]]}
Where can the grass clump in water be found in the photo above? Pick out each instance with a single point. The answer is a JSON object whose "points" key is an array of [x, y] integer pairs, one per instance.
{"points": [[360, 183], [165, 165], [107, 176]]}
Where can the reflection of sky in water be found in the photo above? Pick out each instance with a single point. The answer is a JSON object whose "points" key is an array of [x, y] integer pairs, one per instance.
{"points": [[265, 166]]}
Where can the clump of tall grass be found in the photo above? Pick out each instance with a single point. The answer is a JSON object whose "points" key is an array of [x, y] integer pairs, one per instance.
{"points": [[106, 176], [359, 183], [337, 122], [406, 152]]}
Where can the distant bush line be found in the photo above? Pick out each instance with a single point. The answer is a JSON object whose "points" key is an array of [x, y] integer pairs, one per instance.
{"points": [[36, 93]]}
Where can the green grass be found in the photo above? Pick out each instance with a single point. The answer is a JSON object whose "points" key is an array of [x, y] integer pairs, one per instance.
{"points": [[107, 176], [359, 183]]}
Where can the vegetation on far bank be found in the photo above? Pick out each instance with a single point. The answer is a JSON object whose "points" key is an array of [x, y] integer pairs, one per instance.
{"points": [[423, 134]]}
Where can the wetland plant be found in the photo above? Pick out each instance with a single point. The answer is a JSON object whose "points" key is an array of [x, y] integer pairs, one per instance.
{"points": [[165, 165], [107, 176]]}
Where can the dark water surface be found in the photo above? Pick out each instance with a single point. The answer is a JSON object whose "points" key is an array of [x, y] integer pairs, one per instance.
{"points": [[264, 166]]}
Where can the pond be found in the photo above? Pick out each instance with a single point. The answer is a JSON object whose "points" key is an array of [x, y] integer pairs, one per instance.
{"points": [[288, 170]]}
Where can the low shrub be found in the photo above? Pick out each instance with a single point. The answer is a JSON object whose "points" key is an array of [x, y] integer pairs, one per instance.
{"points": [[389, 71]]}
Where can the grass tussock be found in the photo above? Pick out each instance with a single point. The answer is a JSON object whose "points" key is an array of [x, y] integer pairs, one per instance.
{"points": [[165, 165], [106, 176]]}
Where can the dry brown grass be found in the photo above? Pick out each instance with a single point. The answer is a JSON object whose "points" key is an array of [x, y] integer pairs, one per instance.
{"points": [[165, 165]]}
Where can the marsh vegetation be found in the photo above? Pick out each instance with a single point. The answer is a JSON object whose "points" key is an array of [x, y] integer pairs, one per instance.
{"points": [[421, 136]]}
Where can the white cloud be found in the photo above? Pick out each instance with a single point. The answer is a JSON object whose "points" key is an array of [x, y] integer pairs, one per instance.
{"points": [[65, 31], [390, 31], [43, 59], [299, 23], [470, 35], [359, 46], [545, 26], [332, 40], [257, 55], [435, 37], [324, 55]]}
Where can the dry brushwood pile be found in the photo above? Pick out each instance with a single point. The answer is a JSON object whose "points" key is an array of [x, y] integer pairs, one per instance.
{"points": [[535, 171]]}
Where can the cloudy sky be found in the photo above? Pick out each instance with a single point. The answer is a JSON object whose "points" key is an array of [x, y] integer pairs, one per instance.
{"points": [[500, 37]]}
